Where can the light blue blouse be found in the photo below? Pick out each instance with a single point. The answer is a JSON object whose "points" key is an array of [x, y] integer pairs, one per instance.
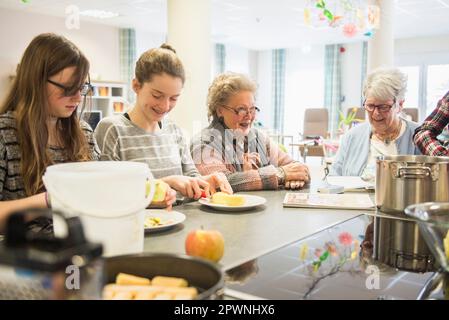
{"points": [[352, 155]]}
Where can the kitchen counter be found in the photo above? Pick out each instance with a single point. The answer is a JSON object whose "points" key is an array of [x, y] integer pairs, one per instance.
{"points": [[252, 233], [331, 264]]}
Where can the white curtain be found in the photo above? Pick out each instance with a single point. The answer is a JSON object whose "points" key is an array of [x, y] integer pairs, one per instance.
{"points": [[278, 88], [332, 84], [220, 58]]}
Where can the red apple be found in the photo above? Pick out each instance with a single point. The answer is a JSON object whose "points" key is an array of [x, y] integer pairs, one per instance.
{"points": [[207, 244]]}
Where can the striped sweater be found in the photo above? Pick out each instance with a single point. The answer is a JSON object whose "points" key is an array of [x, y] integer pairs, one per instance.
{"points": [[11, 182], [165, 152]]}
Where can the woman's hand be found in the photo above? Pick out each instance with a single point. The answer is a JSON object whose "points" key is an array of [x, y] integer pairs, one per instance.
{"points": [[170, 198], [251, 161], [293, 185], [189, 187], [296, 171], [9, 207], [218, 180]]}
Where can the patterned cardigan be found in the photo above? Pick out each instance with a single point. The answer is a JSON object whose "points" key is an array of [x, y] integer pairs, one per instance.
{"points": [[210, 157]]}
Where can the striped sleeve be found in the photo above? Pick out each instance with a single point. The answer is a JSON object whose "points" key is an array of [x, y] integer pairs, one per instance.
{"points": [[108, 140]]}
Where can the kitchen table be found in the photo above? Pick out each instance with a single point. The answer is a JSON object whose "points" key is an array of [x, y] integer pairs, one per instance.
{"points": [[249, 234]]}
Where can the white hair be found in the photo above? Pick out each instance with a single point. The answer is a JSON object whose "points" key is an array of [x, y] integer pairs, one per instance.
{"points": [[385, 83]]}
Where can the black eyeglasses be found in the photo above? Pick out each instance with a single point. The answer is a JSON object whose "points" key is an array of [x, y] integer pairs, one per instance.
{"points": [[380, 107], [84, 89], [243, 111]]}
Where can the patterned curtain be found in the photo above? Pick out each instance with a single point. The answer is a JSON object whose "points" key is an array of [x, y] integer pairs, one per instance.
{"points": [[278, 88], [127, 58], [332, 85], [364, 67], [220, 58]]}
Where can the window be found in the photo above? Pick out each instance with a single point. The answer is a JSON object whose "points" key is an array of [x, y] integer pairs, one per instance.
{"points": [[304, 86], [412, 94], [437, 85]]}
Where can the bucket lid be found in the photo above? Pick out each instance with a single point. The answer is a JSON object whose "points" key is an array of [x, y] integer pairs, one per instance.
{"points": [[99, 167], [106, 189], [42, 252]]}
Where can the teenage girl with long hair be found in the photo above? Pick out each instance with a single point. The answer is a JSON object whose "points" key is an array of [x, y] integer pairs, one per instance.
{"points": [[39, 124]]}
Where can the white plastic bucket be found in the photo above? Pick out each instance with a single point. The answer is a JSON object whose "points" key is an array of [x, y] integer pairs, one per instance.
{"points": [[108, 196]]}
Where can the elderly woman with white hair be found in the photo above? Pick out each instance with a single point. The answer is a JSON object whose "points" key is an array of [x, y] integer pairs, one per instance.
{"points": [[386, 132]]}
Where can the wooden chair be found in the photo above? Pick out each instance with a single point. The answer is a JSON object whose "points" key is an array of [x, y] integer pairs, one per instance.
{"points": [[360, 113], [316, 123], [412, 112], [312, 150]]}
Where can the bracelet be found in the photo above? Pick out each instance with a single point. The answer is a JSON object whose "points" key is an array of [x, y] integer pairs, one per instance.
{"points": [[280, 174]]}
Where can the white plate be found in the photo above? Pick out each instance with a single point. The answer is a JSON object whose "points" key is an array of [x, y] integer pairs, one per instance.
{"points": [[250, 202], [168, 219]]}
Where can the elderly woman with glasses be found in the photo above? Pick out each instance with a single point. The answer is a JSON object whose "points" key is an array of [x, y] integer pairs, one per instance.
{"points": [[386, 132], [231, 145]]}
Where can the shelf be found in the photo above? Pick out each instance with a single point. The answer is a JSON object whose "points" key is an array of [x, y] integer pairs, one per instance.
{"points": [[109, 97], [100, 97]]}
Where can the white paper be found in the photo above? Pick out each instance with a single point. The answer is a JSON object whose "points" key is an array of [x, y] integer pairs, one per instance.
{"points": [[338, 201], [350, 182]]}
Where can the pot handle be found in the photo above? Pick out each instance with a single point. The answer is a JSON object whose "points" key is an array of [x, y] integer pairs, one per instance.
{"points": [[414, 172]]}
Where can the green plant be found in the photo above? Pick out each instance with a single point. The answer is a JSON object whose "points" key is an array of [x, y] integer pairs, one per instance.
{"points": [[282, 147], [349, 119]]}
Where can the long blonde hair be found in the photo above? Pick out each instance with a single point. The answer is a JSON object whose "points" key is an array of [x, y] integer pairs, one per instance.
{"points": [[45, 56]]}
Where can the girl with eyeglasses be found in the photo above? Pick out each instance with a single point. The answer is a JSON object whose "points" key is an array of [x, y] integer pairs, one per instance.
{"points": [[230, 144], [145, 134], [39, 125], [386, 132]]}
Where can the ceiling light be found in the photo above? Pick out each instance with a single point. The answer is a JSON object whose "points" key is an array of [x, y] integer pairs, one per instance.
{"points": [[100, 14]]}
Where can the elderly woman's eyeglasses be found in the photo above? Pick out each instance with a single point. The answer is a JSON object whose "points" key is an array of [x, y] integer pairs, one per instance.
{"points": [[380, 107], [243, 111], [84, 89]]}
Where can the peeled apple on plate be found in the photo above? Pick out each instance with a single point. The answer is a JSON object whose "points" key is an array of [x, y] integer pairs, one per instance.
{"points": [[228, 199]]}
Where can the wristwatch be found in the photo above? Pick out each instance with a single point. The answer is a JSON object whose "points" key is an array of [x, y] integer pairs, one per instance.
{"points": [[280, 174]]}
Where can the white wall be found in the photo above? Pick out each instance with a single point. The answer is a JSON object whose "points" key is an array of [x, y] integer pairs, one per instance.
{"points": [[99, 43], [148, 40], [434, 50], [253, 59], [237, 59]]}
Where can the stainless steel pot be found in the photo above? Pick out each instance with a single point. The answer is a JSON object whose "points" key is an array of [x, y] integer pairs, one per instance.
{"points": [[405, 180], [399, 244], [203, 275]]}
